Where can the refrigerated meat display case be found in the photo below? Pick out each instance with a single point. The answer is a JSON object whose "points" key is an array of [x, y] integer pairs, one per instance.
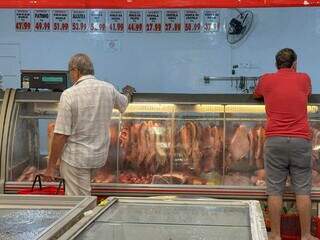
{"points": [[41, 217], [172, 218], [191, 144]]}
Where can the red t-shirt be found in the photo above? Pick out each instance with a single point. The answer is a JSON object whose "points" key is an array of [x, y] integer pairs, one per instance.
{"points": [[285, 96]]}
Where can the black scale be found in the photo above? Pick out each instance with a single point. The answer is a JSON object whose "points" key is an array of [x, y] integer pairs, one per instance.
{"points": [[56, 81]]}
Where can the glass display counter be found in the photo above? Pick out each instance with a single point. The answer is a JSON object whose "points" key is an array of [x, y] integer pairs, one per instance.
{"points": [[208, 145]]}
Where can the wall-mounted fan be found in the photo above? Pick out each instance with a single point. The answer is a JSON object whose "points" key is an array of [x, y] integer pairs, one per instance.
{"points": [[239, 26]]}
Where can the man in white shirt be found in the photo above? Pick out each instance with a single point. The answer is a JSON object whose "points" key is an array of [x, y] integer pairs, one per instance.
{"points": [[81, 135]]}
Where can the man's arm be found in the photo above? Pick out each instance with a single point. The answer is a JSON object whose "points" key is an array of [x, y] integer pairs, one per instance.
{"points": [[121, 101], [58, 142]]}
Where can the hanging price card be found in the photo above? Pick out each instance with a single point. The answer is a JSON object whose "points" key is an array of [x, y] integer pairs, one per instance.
{"points": [[134, 21], [153, 21], [23, 20], [172, 21], [116, 21], [192, 21], [79, 21], [97, 21], [60, 20], [42, 20], [211, 21]]}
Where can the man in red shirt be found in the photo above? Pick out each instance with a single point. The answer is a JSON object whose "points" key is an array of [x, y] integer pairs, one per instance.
{"points": [[288, 145]]}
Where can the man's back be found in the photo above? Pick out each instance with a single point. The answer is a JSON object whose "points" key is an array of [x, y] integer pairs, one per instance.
{"points": [[285, 95], [90, 103]]}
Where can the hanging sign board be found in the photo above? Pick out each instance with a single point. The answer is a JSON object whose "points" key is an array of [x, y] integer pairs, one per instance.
{"points": [[116, 21], [60, 20], [23, 20], [97, 20], [172, 21], [134, 21], [42, 20], [192, 21], [211, 21], [79, 21], [153, 21]]}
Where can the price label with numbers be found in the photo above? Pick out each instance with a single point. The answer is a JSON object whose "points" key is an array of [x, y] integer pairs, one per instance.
{"points": [[192, 21], [134, 21], [97, 19], [79, 21], [23, 20], [116, 21], [60, 20], [172, 21], [153, 21], [42, 20], [211, 21]]}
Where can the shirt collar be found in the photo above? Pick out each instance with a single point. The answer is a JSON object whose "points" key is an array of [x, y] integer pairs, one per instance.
{"points": [[83, 78], [286, 70]]}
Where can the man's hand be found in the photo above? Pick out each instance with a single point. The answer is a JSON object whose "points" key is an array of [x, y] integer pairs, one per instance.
{"points": [[128, 91], [49, 174]]}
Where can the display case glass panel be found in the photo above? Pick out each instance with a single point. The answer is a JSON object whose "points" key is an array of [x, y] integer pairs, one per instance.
{"points": [[245, 137], [198, 148], [30, 138], [314, 117], [146, 143]]}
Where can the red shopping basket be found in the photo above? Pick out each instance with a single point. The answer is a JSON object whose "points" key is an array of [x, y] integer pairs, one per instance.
{"points": [[46, 190]]}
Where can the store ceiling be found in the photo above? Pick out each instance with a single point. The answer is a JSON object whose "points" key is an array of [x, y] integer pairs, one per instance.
{"points": [[126, 4]]}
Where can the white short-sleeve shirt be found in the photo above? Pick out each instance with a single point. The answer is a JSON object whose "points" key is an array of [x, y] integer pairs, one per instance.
{"points": [[84, 114]]}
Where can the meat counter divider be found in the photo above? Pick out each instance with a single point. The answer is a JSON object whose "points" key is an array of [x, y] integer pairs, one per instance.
{"points": [[218, 191]]}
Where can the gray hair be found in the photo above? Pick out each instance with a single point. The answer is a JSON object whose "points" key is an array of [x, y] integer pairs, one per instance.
{"points": [[83, 63]]}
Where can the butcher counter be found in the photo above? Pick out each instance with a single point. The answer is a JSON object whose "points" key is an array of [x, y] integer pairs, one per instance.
{"points": [[190, 144]]}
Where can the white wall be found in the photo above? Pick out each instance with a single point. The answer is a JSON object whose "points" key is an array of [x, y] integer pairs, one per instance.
{"points": [[169, 62]]}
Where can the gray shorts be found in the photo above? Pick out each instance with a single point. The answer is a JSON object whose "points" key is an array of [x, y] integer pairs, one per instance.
{"points": [[288, 156]]}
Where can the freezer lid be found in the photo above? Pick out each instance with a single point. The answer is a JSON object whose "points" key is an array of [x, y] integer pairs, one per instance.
{"points": [[40, 217], [132, 218]]}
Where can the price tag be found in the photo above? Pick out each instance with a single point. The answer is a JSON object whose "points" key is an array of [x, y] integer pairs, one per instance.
{"points": [[172, 21], [192, 21], [134, 21], [116, 21], [211, 21], [153, 21], [42, 20], [97, 21], [79, 21], [60, 20], [23, 20]]}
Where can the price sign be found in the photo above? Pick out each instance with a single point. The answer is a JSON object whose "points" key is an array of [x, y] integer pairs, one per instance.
{"points": [[42, 21], [116, 21], [134, 21], [172, 21], [153, 21], [60, 20], [79, 21], [97, 21], [211, 21], [23, 20], [192, 21]]}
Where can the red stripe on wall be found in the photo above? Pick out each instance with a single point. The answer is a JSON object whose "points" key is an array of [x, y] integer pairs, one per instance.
{"points": [[125, 4]]}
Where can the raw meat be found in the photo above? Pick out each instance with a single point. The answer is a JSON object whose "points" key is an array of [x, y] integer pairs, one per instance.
{"points": [[239, 145]]}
